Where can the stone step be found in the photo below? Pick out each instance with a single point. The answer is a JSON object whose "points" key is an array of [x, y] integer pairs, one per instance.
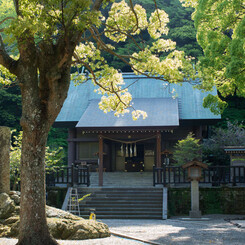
{"points": [[120, 190], [142, 203], [122, 201], [124, 195], [122, 205], [111, 216], [128, 208], [132, 212], [125, 199], [140, 179]]}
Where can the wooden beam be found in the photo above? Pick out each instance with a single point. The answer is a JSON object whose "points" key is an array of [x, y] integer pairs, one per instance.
{"points": [[88, 139], [71, 147], [100, 160]]}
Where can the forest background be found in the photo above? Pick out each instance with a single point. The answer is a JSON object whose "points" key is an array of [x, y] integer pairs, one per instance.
{"points": [[182, 31]]}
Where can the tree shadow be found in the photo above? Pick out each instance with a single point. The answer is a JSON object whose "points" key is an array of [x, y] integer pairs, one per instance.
{"points": [[176, 231]]}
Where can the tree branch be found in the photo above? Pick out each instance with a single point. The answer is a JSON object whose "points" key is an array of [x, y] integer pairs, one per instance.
{"points": [[7, 18], [106, 89], [6, 60], [107, 49], [104, 46], [124, 33], [136, 17]]}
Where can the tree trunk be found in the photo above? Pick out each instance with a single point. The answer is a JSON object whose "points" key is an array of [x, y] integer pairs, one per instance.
{"points": [[40, 107], [5, 136], [33, 224]]}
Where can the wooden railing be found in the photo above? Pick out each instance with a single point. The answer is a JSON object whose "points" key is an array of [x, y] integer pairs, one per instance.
{"points": [[214, 175], [68, 175]]}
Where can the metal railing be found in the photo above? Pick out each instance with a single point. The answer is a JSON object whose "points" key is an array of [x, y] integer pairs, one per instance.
{"points": [[214, 175], [68, 175]]}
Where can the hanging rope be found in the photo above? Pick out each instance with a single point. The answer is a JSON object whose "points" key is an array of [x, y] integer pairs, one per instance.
{"points": [[129, 151], [129, 142]]}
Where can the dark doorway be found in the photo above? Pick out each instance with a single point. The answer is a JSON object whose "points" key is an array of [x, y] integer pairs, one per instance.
{"points": [[135, 163], [107, 155]]}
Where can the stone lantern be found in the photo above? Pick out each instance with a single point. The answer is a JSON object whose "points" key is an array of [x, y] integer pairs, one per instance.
{"points": [[194, 175]]}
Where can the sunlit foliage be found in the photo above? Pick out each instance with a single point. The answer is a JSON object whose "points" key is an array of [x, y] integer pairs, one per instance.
{"points": [[221, 33]]}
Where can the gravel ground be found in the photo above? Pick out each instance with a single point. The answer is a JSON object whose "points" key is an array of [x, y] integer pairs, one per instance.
{"points": [[172, 231]]}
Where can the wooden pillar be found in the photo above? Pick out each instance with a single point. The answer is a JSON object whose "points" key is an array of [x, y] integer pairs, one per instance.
{"points": [[100, 160], [71, 146], [158, 157]]}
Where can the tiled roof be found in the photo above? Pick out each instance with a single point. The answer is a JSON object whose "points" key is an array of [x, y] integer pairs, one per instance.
{"points": [[189, 99], [160, 111]]}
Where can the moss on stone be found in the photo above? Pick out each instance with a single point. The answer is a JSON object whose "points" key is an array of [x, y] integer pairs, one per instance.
{"points": [[62, 225]]}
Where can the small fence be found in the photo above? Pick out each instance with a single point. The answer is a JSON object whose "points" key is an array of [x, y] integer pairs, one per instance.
{"points": [[214, 175], [68, 175]]}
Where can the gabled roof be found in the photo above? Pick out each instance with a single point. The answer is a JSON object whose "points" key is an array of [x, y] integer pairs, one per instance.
{"points": [[189, 99], [160, 112]]}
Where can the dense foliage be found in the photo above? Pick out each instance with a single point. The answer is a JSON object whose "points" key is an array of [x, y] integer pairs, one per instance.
{"points": [[187, 150], [53, 158], [213, 148], [234, 112], [181, 30], [220, 28], [10, 107]]}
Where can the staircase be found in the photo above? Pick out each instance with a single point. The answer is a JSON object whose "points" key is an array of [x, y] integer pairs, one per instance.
{"points": [[122, 203], [122, 179]]}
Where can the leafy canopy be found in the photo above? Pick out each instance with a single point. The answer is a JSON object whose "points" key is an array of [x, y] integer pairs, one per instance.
{"points": [[220, 28], [48, 23], [181, 30]]}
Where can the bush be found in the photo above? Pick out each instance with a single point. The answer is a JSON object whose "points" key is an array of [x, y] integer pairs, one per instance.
{"points": [[213, 148], [187, 150]]}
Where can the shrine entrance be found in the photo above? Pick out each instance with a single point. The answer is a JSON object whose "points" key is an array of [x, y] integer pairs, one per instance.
{"points": [[135, 163], [131, 152]]}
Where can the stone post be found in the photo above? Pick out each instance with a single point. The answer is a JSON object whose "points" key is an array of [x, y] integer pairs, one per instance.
{"points": [[165, 203], [5, 135], [195, 212]]}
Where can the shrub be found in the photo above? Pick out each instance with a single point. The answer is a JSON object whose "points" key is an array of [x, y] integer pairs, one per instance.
{"points": [[213, 148], [187, 150]]}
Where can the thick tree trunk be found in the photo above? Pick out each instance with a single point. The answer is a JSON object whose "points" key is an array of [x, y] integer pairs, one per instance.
{"points": [[40, 107], [33, 225], [4, 159]]}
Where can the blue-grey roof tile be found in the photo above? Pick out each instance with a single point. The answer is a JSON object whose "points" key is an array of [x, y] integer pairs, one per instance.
{"points": [[160, 111], [190, 99]]}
